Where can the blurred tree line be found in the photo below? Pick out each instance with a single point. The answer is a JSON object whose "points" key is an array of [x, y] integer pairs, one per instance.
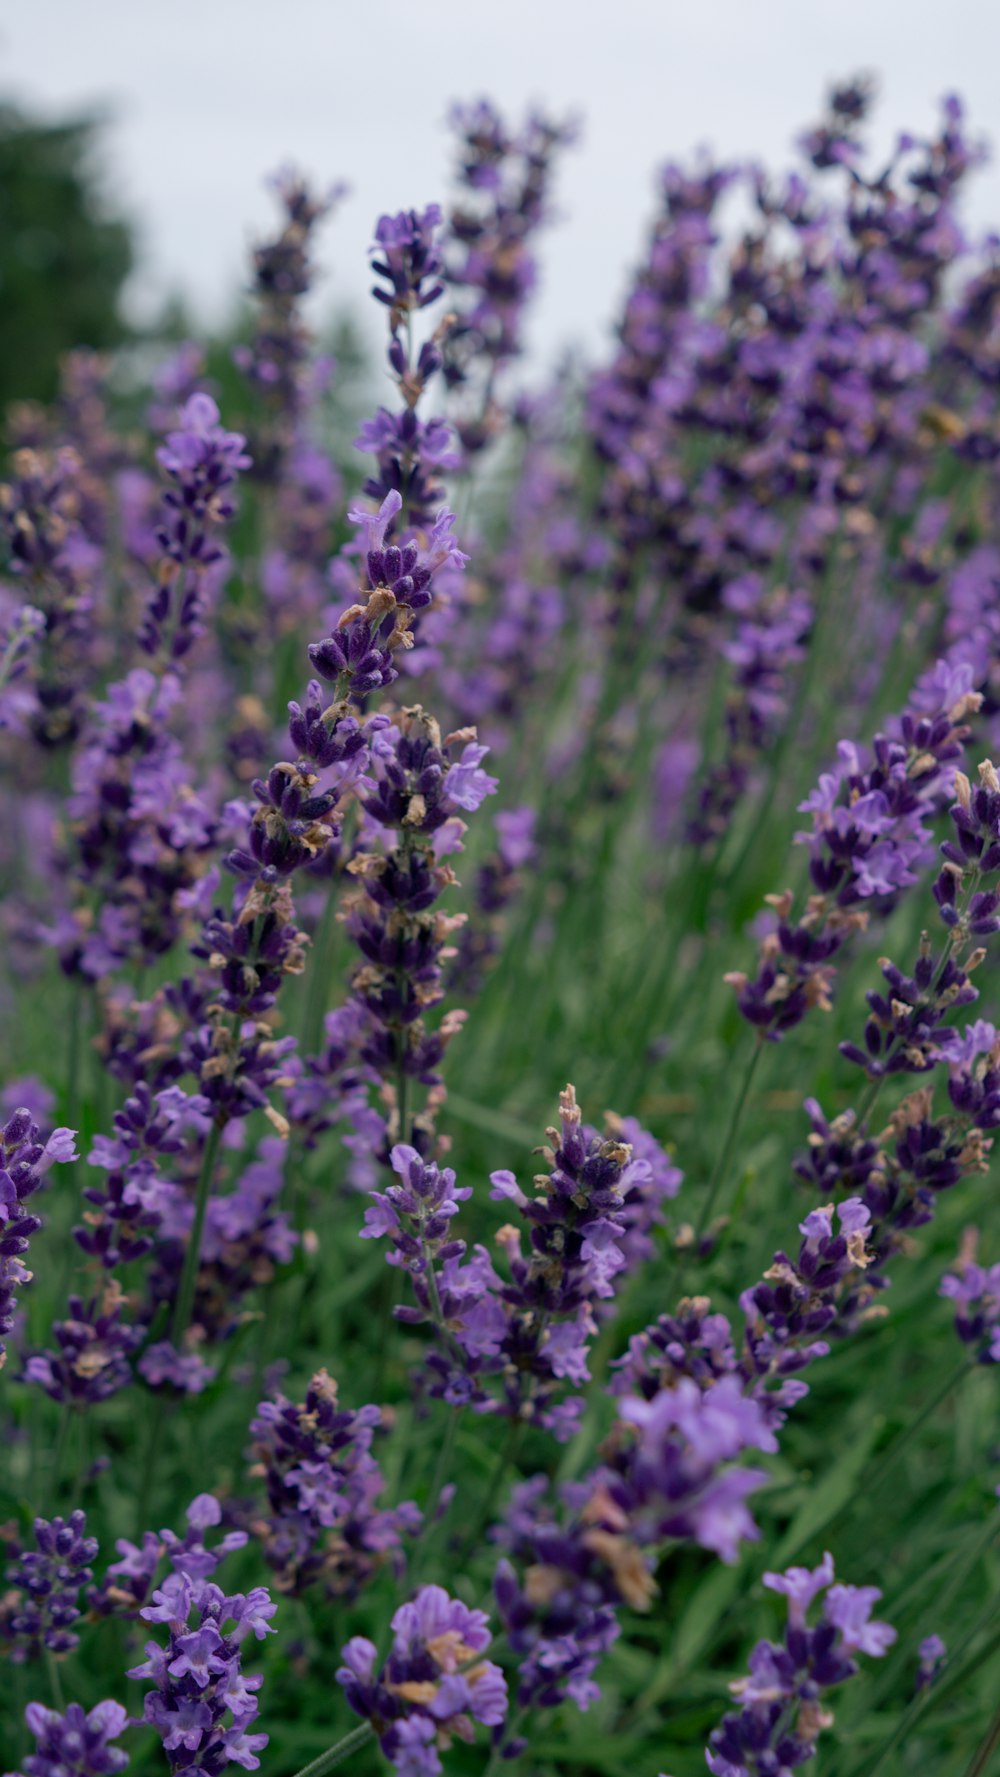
{"points": [[64, 254]]}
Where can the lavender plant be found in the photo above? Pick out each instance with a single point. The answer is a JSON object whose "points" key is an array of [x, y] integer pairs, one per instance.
{"points": [[529, 1441]]}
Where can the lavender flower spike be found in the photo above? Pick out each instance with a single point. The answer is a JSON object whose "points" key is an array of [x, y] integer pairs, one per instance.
{"points": [[781, 1715], [433, 1684], [75, 1744]]}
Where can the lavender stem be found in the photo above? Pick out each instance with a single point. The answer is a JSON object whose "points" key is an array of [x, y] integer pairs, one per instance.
{"points": [[189, 1275], [335, 1755]]}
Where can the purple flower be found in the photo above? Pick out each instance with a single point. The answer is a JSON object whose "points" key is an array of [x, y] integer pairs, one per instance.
{"points": [[800, 1586], [24, 1161], [46, 1584], [75, 1744], [323, 1526], [464, 784], [781, 1717], [201, 1704], [849, 1609], [163, 1366], [932, 1651], [434, 1674], [201, 461]]}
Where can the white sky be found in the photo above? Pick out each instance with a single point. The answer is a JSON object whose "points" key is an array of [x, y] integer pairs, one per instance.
{"points": [[207, 96]]}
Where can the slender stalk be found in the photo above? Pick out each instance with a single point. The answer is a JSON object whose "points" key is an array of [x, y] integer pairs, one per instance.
{"points": [[160, 1415], [73, 1080], [933, 1693], [722, 1163], [442, 1467], [189, 1275], [55, 1682], [62, 1445], [729, 1141], [497, 1757], [988, 1746], [335, 1755], [319, 974], [506, 1457], [877, 1475]]}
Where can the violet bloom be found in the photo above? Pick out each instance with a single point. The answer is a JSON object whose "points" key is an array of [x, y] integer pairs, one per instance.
{"points": [[433, 1685], [322, 1525], [518, 1348], [558, 1595], [675, 1479], [74, 1744], [491, 269], [416, 1213], [22, 630], [49, 549], [201, 1703], [162, 1366], [277, 361], [906, 1031], [975, 1291], [44, 1602], [125, 1584], [870, 840], [140, 833], [415, 788], [201, 461], [24, 1161], [781, 1714], [93, 1343], [932, 1652]]}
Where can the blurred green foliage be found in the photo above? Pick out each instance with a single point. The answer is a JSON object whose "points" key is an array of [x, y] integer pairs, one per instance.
{"points": [[64, 255]]}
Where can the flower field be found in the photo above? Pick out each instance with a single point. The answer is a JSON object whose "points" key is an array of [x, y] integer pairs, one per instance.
{"points": [[499, 1266]]}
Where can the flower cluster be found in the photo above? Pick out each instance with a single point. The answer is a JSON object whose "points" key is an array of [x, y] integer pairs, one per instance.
{"points": [[24, 1161], [139, 832], [201, 1703], [781, 1714], [975, 1291], [201, 461], [432, 1687], [505, 177], [673, 1472], [416, 789], [42, 522], [322, 1524], [43, 1605], [870, 840], [74, 1743]]}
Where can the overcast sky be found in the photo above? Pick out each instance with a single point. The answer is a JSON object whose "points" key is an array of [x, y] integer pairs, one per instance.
{"points": [[207, 96]]}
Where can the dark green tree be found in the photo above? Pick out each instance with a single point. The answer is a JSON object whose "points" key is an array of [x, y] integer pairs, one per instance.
{"points": [[63, 254]]}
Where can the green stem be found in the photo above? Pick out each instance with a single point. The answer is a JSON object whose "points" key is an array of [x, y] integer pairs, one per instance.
{"points": [[721, 1167], [515, 1431], [874, 1479], [319, 973], [442, 1468], [934, 1692], [189, 1275], [497, 1758], [62, 1445], [335, 1755], [733, 1128], [987, 1748], [160, 1415], [55, 1682], [73, 1081]]}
